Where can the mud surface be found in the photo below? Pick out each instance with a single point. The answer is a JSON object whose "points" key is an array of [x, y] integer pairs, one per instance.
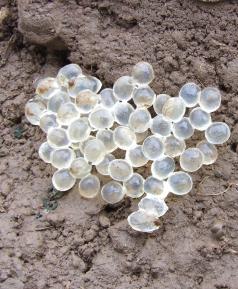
{"points": [[72, 243]]}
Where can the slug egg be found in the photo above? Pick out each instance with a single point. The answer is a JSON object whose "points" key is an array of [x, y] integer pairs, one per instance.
{"points": [[153, 148], [159, 102], [57, 137], [124, 137], [134, 186], [136, 156], [139, 120], [106, 136], [173, 146], [89, 186], [122, 112], [67, 113], [79, 130], [84, 83], [143, 222], [107, 98], [47, 121], [200, 119], [102, 167], [101, 118], [34, 109], [46, 87], [183, 129], [86, 101], [154, 186], [143, 96], [174, 109], [123, 88], [94, 151], [191, 159], [161, 169], [68, 73], [80, 168], [120, 170], [161, 126], [58, 97], [152, 205], [142, 73], [62, 180], [112, 192], [180, 183], [217, 133], [45, 151], [62, 158], [190, 94], [209, 152], [210, 99]]}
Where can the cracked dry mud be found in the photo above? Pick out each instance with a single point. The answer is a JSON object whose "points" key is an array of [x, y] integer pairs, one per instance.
{"points": [[83, 243]]}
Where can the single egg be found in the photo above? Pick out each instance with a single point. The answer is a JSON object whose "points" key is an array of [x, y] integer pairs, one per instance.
{"points": [[46, 87], [154, 186], [68, 74], [62, 180], [123, 88], [143, 96], [34, 109], [190, 93], [159, 102], [161, 169], [161, 126], [139, 120], [58, 97], [180, 183], [152, 205], [89, 186], [124, 137], [80, 168], [191, 159], [107, 98], [174, 109], [210, 99], [142, 73], [106, 136], [153, 147], [112, 192], [134, 187], [101, 118], [200, 119], [173, 146], [217, 133], [86, 101], [102, 167], [58, 137], [143, 222], [183, 129], [122, 112], [136, 156], [120, 170], [94, 151], [62, 158], [48, 120], [45, 151], [67, 113], [209, 152], [79, 130]]}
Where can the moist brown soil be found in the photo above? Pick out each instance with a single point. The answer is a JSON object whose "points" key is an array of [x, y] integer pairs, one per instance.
{"points": [[72, 243]]}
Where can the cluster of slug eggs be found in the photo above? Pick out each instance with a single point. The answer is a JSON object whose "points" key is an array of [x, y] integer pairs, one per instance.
{"points": [[84, 128]]}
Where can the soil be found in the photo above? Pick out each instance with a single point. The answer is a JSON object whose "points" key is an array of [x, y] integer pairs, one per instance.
{"points": [[49, 241]]}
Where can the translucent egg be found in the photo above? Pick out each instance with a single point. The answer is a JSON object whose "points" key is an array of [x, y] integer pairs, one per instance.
{"points": [[106, 136], [122, 112], [217, 133], [120, 170], [34, 109], [183, 129], [161, 169], [143, 96], [84, 143], [94, 151], [62, 180], [191, 159], [174, 109], [123, 88], [136, 156], [134, 187], [89, 186], [142, 73], [161, 126], [46, 87], [68, 73], [124, 137], [101, 118], [180, 183], [79, 130], [141, 136], [139, 120], [107, 98], [57, 137], [86, 82], [47, 121], [154, 186], [102, 167], [45, 151], [152, 205], [173, 146], [57, 98], [80, 168], [86, 101], [200, 119], [67, 113], [112, 192], [210, 99], [190, 93], [62, 158], [159, 102], [143, 222], [153, 148], [209, 152]]}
